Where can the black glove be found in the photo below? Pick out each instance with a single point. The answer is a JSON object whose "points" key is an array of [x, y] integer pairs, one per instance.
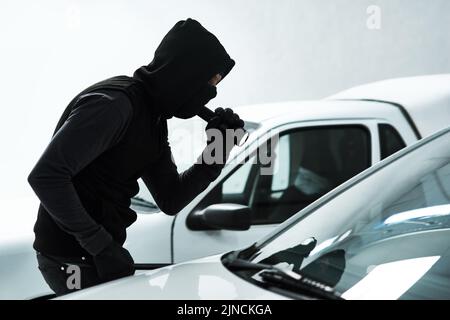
{"points": [[114, 262], [225, 119], [221, 124]]}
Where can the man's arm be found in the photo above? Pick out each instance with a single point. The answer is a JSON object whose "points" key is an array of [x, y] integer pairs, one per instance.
{"points": [[173, 191], [95, 124]]}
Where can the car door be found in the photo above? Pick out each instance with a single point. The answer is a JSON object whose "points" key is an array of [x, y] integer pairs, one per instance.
{"points": [[310, 159]]}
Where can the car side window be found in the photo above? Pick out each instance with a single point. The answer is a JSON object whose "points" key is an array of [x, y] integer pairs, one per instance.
{"points": [[390, 140], [308, 163], [236, 182], [280, 179]]}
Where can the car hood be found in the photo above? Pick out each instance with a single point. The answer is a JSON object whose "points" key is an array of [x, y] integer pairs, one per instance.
{"points": [[204, 278]]}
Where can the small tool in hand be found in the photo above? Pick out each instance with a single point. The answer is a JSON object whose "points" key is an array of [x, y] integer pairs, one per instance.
{"points": [[207, 114]]}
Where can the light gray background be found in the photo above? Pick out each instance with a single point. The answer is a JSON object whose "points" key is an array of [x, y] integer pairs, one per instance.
{"points": [[284, 49]]}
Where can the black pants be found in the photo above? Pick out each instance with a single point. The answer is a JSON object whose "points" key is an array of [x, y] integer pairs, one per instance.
{"points": [[66, 275]]}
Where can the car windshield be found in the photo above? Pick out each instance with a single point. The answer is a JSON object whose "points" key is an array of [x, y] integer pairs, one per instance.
{"points": [[384, 236]]}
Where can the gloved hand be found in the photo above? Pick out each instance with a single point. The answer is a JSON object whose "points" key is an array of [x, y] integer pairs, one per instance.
{"points": [[225, 119], [229, 127], [114, 262]]}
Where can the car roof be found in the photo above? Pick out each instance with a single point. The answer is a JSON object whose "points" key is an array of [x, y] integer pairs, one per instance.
{"points": [[425, 98], [315, 110]]}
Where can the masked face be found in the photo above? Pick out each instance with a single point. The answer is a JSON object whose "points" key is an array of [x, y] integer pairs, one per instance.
{"points": [[191, 107], [188, 57]]}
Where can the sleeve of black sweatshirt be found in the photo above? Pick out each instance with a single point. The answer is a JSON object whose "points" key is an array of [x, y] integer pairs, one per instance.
{"points": [[95, 124], [171, 190]]}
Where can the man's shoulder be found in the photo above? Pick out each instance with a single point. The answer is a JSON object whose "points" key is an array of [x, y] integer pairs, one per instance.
{"points": [[114, 89], [112, 96], [105, 101], [118, 100]]}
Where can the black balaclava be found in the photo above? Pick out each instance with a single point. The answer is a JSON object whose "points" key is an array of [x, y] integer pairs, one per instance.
{"points": [[186, 59]]}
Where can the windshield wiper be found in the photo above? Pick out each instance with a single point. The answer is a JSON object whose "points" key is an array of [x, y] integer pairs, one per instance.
{"points": [[138, 201], [284, 278], [290, 280]]}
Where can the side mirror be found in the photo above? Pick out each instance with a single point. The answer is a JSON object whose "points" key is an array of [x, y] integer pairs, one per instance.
{"points": [[225, 216]]}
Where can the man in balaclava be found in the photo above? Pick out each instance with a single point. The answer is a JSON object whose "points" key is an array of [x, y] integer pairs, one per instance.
{"points": [[109, 136]]}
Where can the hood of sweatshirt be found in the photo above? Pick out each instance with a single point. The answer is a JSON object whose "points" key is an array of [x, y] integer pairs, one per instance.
{"points": [[186, 59]]}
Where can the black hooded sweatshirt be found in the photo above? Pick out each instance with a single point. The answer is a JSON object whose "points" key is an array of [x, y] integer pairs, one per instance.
{"points": [[114, 133]]}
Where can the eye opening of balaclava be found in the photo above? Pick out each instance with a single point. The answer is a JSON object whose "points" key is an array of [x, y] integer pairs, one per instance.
{"points": [[177, 78]]}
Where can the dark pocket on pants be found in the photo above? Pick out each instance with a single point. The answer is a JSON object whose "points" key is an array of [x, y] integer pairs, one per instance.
{"points": [[64, 278], [54, 274]]}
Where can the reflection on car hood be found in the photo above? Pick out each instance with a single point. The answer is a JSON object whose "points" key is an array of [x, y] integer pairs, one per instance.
{"points": [[204, 278]]}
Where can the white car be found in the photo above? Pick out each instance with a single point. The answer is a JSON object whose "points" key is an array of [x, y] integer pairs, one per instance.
{"points": [[384, 234], [321, 144]]}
